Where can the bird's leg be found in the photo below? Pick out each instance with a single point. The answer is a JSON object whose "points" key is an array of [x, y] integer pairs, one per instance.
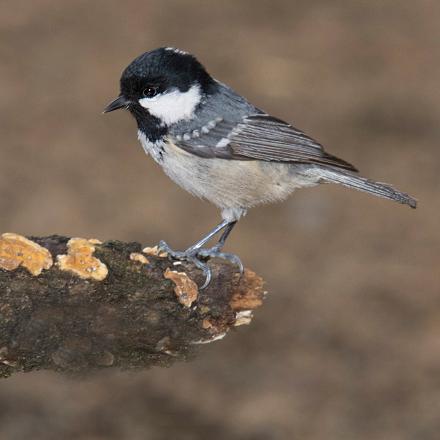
{"points": [[195, 251], [207, 237], [215, 251], [191, 254], [192, 250], [229, 227]]}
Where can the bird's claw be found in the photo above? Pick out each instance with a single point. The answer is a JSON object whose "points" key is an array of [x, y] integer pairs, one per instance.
{"points": [[177, 255], [194, 256], [214, 252], [190, 255]]}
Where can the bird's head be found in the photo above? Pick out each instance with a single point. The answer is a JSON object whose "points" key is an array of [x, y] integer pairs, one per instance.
{"points": [[165, 84]]}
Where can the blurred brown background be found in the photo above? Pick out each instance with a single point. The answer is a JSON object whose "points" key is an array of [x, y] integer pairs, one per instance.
{"points": [[347, 345]]}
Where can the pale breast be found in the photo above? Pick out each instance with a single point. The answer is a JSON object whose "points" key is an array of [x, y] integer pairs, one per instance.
{"points": [[153, 149], [226, 183]]}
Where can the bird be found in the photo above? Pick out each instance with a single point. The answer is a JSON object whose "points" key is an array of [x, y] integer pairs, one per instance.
{"points": [[218, 146]]}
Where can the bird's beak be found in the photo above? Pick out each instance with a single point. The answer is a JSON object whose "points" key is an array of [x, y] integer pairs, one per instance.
{"points": [[119, 102]]}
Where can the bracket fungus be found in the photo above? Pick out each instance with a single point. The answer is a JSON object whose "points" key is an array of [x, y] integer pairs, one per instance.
{"points": [[80, 259], [16, 250], [140, 258], [186, 289]]}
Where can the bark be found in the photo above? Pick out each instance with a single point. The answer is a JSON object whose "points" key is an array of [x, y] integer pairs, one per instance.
{"points": [[89, 305]]}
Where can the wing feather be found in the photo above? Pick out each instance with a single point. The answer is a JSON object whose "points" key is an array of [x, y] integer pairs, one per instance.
{"points": [[259, 137], [267, 138]]}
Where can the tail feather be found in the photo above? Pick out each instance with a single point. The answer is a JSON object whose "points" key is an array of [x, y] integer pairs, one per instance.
{"points": [[351, 180]]}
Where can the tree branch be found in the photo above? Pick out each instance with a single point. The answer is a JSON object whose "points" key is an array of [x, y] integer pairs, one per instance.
{"points": [[79, 305]]}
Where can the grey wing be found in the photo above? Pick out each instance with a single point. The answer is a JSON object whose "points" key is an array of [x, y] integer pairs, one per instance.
{"points": [[258, 137]]}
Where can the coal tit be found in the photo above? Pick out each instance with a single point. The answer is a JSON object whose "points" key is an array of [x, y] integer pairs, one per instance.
{"points": [[215, 144]]}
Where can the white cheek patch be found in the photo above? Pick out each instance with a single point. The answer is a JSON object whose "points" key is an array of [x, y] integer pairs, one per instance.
{"points": [[173, 106]]}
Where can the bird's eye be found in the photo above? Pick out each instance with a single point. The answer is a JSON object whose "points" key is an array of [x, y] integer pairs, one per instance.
{"points": [[150, 91]]}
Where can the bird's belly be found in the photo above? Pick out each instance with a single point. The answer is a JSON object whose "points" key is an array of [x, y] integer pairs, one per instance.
{"points": [[230, 183]]}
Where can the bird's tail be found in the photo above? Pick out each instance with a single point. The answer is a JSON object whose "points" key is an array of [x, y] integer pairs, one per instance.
{"points": [[351, 180]]}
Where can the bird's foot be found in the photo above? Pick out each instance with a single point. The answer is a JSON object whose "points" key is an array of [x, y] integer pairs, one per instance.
{"points": [[190, 255], [215, 252], [198, 257]]}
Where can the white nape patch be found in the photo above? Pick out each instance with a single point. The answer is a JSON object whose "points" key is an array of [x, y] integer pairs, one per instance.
{"points": [[173, 106], [154, 149], [173, 49]]}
